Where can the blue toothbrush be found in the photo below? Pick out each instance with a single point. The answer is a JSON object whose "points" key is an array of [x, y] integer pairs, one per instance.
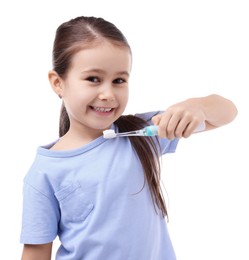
{"points": [[147, 131]]}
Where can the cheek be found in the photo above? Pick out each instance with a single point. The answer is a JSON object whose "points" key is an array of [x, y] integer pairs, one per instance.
{"points": [[74, 102], [124, 96]]}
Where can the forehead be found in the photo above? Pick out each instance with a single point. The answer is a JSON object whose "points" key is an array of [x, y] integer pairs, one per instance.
{"points": [[104, 55]]}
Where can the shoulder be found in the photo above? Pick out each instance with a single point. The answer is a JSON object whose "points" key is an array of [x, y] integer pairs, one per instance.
{"points": [[40, 171]]}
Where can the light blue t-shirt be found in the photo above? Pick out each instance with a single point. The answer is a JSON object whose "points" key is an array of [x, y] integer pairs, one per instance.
{"points": [[93, 199]]}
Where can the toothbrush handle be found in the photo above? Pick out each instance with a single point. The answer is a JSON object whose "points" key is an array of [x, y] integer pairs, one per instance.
{"points": [[200, 127], [152, 130]]}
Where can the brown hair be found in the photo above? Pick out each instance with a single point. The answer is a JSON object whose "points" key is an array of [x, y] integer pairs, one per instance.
{"points": [[79, 33]]}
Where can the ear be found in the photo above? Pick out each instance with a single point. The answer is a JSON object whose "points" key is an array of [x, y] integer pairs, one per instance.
{"points": [[55, 82]]}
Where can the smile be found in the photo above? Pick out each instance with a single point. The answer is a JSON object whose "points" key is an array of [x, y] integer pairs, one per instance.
{"points": [[102, 109]]}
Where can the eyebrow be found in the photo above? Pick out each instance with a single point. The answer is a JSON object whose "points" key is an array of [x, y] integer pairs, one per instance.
{"points": [[102, 71]]}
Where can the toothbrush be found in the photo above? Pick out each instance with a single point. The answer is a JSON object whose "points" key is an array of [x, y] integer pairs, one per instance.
{"points": [[151, 130], [147, 131]]}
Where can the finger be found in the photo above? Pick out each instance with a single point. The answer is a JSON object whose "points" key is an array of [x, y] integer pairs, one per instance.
{"points": [[183, 127], [163, 125], [156, 119], [190, 129], [173, 129]]}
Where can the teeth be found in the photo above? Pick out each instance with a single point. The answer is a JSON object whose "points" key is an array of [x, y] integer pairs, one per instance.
{"points": [[102, 109]]}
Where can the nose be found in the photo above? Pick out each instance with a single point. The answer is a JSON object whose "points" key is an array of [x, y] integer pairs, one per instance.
{"points": [[106, 93]]}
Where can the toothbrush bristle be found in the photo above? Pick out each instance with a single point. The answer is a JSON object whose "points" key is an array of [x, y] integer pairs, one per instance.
{"points": [[109, 133]]}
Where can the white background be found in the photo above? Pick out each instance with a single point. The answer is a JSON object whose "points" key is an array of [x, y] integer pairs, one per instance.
{"points": [[180, 49]]}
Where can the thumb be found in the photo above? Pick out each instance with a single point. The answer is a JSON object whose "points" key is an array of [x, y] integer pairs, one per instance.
{"points": [[156, 119]]}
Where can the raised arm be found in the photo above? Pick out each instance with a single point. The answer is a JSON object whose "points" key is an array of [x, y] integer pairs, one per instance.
{"points": [[37, 252], [181, 119]]}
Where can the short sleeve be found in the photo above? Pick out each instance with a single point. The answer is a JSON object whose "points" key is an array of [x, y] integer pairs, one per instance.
{"points": [[168, 146], [40, 217]]}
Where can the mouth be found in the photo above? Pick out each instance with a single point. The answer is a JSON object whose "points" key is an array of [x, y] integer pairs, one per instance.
{"points": [[102, 109]]}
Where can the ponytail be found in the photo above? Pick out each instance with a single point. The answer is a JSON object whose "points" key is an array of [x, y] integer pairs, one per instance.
{"points": [[148, 154], [64, 122]]}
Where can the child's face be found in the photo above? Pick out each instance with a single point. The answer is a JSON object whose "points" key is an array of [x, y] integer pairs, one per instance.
{"points": [[95, 91]]}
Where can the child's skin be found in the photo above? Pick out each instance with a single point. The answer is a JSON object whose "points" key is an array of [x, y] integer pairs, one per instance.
{"points": [[95, 93], [99, 79]]}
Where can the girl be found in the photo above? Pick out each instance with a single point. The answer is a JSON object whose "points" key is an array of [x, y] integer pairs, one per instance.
{"points": [[102, 197]]}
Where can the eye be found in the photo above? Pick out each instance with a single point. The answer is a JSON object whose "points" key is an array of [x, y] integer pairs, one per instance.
{"points": [[93, 79], [119, 81]]}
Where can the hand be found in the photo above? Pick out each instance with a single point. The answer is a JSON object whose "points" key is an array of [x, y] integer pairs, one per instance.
{"points": [[180, 120]]}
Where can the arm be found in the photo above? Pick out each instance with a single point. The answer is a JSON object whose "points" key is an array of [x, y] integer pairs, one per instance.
{"points": [[37, 252], [181, 119]]}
